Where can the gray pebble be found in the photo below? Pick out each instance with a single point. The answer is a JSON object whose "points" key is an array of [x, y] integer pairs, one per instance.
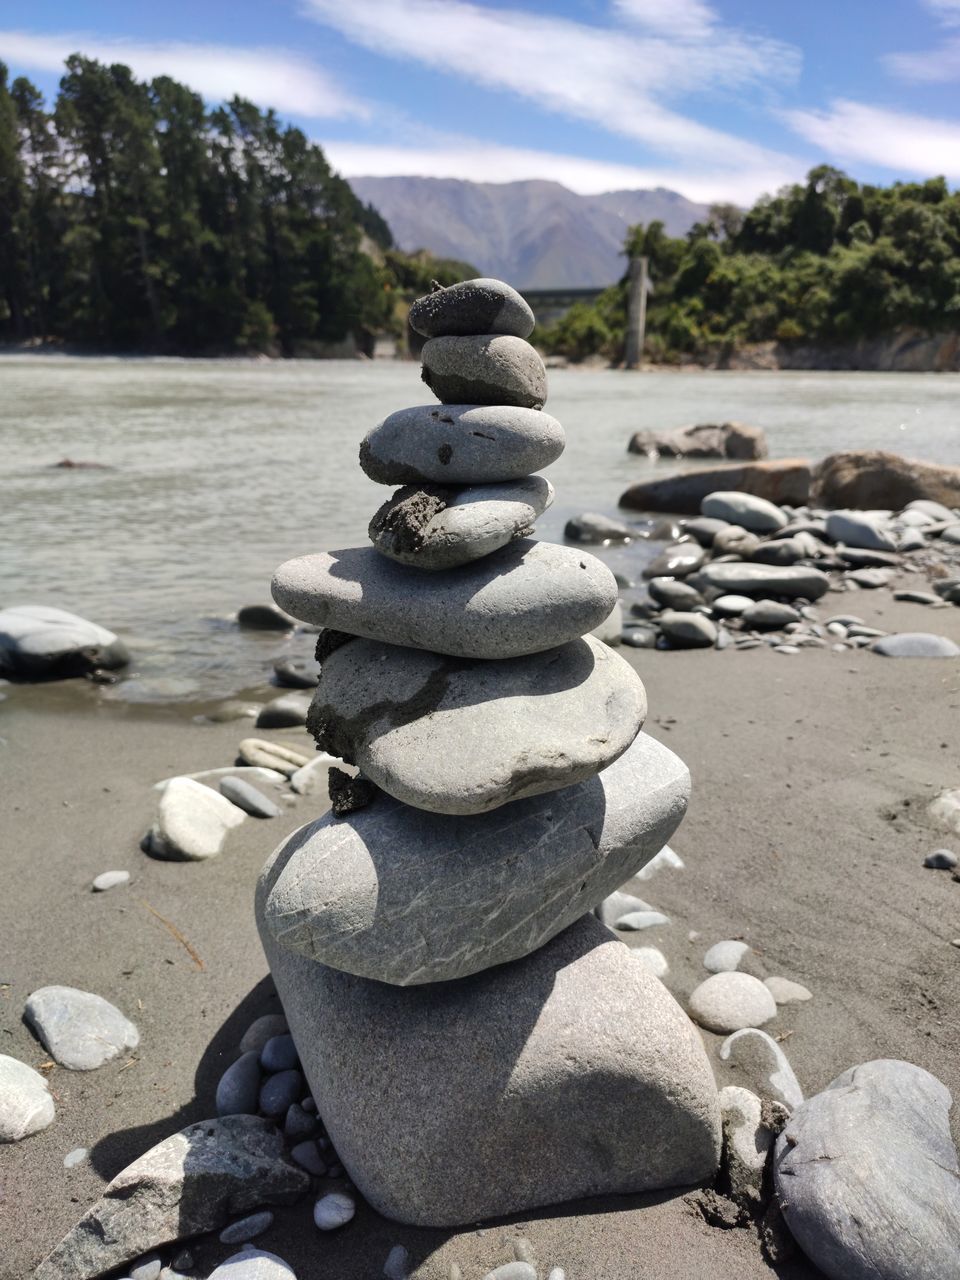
{"points": [[298, 1122], [286, 712], [146, 1268], [915, 644], [476, 306], [941, 860], [513, 1271], [397, 1265], [263, 1029], [247, 1228], [248, 798], [279, 1054], [634, 921], [75, 1157], [279, 1092], [238, 1091], [484, 369], [253, 1264], [80, 1030], [688, 630], [307, 1155], [333, 1210], [26, 1105]]}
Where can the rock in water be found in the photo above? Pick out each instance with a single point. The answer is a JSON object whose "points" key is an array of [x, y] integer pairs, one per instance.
{"points": [[534, 724], [572, 1072], [440, 528], [80, 1030], [765, 579], [460, 444], [594, 528], [472, 307], [25, 1103], [38, 642], [192, 822], [409, 897], [524, 598], [194, 1181], [867, 1176], [756, 514], [264, 617], [485, 369]]}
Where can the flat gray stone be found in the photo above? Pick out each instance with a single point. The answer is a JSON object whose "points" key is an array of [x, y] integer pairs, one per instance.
{"points": [[195, 1181], [247, 1228], [688, 630], [915, 644], [192, 822], [38, 642], [524, 598], [572, 1072], [730, 606], [755, 514], [26, 1106], [759, 1061], [859, 529], [765, 579], [769, 615], [533, 724], [409, 897], [460, 444], [786, 992], [484, 369], [867, 1176], [472, 307], [440, 527], [248, 798], [871, 579], [676, 561], [731, 1001], [80, 1030]]}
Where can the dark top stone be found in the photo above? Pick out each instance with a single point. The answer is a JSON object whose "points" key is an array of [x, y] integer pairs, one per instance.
{"points": [[472, 307]]}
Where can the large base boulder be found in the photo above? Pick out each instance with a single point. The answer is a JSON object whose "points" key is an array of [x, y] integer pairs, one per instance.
{"points": [[706, 440], [781, 481], [876, 480], [570, 1073]]}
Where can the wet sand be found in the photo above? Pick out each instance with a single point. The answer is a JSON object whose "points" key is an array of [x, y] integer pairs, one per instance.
{"points": [[805, 836]]}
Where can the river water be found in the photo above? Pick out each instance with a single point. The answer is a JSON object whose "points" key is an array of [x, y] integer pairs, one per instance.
{"points": [[219, 470]]}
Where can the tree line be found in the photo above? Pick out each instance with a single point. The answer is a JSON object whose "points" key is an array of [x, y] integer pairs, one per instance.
{"points": [[821, 262], [132, 218]]}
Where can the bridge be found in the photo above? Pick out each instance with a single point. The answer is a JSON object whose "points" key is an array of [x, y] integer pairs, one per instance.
{"points": [[549, 305]]}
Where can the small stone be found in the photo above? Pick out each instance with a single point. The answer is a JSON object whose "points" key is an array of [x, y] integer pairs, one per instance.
{"points": [[858, 529], [593, 528], [634, 921], [704, 529], [307, 1155], [333, 1210], [238, 1091], [26, 1105], [730, 606], [639, 638], [75, 1157], [755, 514], [484, 369], [312, 778], [725, 957], [146, 1268], [747, 1142], [248, 798], [279, 1054], [278, 1092], [786, 648], [476, 306], [763, 1064], [513, 1271], [286, 712], [652, 959], [731, 1001], [261, 1030], [915, 644], [765, 580], [264, 617], [247, 1228], [674, 594], [768, 615], [299, 1123], [293, 675], [941, 860], [253, 1264], [397, 1265], [462, 444], [182, 1261], [109, 880], [665, 858], [192, 822], [80, 1030], [272, 755], [867, 1176], [786, 992], [617, 905], [917, 597], [688, 630]]}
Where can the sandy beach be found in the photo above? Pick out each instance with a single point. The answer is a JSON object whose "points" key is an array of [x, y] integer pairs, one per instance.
{"points": [[805, 836]]}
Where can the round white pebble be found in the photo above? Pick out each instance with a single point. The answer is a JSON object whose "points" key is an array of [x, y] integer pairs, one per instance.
{"points": [[109, 880], [333, 1210], [725, 957], [732, 1001], [74, 1157]]}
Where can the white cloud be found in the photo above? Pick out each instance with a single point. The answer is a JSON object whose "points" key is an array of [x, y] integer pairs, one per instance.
{"points": [[948, 11], [854, 131], [610, 77], [935, 66], [479, 161], [690, 18], [268, 76]]}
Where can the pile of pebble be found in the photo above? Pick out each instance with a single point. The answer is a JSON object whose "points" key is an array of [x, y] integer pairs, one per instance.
{"points": [[431, 937], [747, 573]]}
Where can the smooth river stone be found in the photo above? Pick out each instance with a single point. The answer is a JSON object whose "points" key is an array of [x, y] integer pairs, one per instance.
{"points": [[740, 578], [485, 369], [524, 598], [407, 897], [572, 1072], [461, 737], [867, 1177], [744, 509], [472, 306], [439, 527], [460, 444]]}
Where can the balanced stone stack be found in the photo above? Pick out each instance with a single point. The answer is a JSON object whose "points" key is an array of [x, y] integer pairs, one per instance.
{"points": [[478, 1043]]}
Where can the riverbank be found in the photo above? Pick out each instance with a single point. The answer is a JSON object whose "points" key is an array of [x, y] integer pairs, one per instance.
{"points": [[806, 836]]}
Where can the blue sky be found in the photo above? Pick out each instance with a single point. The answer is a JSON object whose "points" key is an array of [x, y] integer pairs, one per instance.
{"points": [[718, 99]]}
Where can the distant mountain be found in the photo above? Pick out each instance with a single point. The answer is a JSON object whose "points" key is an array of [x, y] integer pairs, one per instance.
{"points": [[535, 234]]}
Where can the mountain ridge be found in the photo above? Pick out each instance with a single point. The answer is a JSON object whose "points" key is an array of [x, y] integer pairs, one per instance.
{"points": [[536, 233]]}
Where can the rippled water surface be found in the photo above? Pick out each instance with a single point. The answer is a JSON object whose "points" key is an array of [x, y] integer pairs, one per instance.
{"points": [[220, 470]]}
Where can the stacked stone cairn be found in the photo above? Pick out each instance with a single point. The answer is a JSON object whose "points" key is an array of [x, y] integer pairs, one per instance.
{"points": [[477, 1042]]}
